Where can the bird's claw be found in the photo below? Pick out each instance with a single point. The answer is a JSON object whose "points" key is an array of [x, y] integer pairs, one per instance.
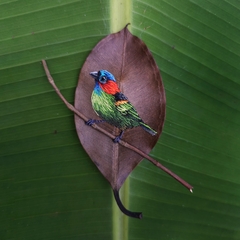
{"points": [[90, 122], [116, 139]]}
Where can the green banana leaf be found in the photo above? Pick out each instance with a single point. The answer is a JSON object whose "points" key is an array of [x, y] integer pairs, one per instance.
{"points": [[50, 189]]}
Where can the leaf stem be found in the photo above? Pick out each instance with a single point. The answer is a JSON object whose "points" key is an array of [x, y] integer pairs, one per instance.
{"points": [[123, 209], [123, 143], [120, 14]]}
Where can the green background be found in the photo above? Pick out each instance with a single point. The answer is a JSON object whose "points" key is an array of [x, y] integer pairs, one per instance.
{"points": [[49, 187]]}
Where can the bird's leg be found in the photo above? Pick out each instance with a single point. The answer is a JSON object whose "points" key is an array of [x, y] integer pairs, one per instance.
{"points": [[119, 137], [90, 122]]}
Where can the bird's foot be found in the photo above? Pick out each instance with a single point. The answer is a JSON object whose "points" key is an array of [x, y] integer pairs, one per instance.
{"points": [[90, 122], [118, 138]]}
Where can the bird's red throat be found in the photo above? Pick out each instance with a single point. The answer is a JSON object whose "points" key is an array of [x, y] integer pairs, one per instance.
{"points": [[110, 87]]}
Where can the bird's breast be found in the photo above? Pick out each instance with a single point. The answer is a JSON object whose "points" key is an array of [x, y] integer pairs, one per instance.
{"points": [[103, 104]]}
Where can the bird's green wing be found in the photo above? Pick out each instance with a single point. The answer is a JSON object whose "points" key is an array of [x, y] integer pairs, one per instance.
{"points": [[127, 109]]}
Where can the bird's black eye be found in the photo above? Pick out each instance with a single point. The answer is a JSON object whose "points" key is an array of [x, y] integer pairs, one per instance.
{"points": [[103, 79]]}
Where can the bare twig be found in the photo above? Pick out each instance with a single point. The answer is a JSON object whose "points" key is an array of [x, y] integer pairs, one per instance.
{"points": [[123, 143]]}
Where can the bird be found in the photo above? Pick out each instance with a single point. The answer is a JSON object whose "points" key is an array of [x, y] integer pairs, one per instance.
{"points": [[112, 106]]}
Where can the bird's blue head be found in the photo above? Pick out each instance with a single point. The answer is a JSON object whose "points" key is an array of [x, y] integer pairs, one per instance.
{"points": [[102, 76]]}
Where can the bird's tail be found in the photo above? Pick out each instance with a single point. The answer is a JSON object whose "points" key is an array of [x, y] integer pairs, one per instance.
{"points": [[147, 128]]}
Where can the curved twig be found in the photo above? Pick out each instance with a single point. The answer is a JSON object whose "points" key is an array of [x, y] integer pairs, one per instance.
{"points": [[123, 143]]}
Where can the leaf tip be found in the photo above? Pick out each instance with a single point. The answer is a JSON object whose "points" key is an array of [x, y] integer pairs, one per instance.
{"points": [[127, 25]]}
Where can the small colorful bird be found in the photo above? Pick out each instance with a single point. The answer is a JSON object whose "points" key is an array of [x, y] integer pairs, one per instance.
{"points": [[113, 106]]}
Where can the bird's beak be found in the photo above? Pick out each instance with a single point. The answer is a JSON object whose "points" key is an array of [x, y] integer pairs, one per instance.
{"points": [[94, 74]]}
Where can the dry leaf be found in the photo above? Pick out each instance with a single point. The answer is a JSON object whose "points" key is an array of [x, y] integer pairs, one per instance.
{"points": [[138, 77]]}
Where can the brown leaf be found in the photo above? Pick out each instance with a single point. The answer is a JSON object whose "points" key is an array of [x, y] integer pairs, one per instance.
{"points": [[138, 77]]}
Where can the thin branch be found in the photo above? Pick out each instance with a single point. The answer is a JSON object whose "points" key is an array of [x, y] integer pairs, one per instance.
{"points": [[123, 143]]}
